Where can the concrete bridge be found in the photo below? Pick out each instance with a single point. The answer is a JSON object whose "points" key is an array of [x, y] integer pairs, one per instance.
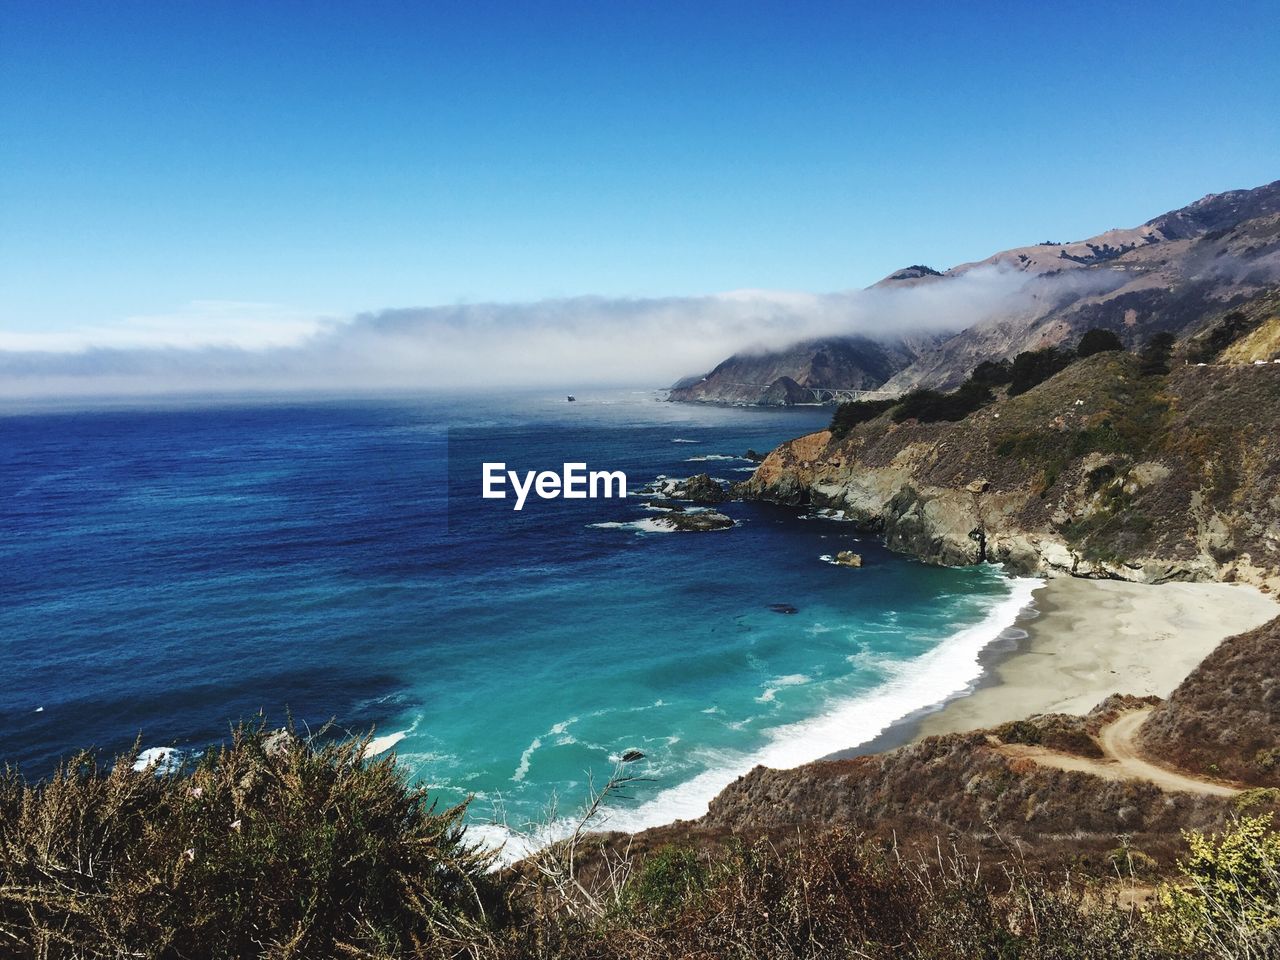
{"points": [[839, 395], [828, 394]]}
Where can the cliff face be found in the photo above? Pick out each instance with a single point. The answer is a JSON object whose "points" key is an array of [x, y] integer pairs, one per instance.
{"points": [[1098, 472]]}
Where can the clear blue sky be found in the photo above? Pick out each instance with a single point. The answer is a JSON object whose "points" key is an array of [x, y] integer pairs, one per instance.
{"points": [[339, 157]]}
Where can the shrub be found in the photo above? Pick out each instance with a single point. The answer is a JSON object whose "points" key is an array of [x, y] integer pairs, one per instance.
{"points": [[994, 373], [1019, 731], [1154, 358], [669, 879], [930, 406], [1232, 891], [1033, 367], [1097, 340], [848, 415], [268, 846], [1256, 796], [1207, 347]]}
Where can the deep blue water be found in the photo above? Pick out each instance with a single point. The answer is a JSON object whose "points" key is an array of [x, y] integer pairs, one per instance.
{"points": [[168, 571]]}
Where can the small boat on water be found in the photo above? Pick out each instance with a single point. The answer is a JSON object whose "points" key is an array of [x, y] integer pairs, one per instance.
{"points": [[572, 398]]}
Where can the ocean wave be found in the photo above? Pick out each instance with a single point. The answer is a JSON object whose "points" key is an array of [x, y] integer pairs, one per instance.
{"points": [[683, 440], [639, 526], [828, 513], [382, 744], [559, 731], [702, 458], [162, 760], [778, 683], [948, 670]]}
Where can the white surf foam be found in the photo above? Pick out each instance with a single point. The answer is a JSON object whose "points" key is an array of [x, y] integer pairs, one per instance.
{"points": [[703, 458], [775, 685], [948, 670], [639, 526], [382, 744], [163, 759], [683, 440]]}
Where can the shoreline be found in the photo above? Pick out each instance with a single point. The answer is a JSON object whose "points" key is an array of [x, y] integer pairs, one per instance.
{"points": [[1081, 640], [1072, 643]]}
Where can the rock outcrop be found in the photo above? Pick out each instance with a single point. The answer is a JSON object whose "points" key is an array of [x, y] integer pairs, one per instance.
{"points": [[700, 488], [690, 521]]}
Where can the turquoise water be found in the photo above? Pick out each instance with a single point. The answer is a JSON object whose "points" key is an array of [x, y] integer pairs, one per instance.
{"points": [[170, 570]]}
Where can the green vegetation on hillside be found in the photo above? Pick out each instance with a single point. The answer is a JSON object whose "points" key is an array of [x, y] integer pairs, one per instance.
{"points": [[1033, 367], [1027, 370], [851, 414], [930, 406], [1097, 340]]}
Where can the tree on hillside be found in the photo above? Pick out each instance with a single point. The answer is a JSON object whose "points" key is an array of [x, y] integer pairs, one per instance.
{"points": [[994, 373], [1154, 358], [1033, 367], [1097, 340]]}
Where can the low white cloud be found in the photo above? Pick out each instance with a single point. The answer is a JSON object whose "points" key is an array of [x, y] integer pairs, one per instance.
{"points": [[202, 323], [568, 343]]}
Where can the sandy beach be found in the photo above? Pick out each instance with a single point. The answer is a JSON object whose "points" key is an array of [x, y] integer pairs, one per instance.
{"points": [[1091, 638]]}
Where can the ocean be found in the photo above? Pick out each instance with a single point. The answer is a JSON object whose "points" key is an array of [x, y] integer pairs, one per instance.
{"points": [[169, 570]]}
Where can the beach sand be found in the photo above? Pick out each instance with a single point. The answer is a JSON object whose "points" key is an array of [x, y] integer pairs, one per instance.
{"points": [[1092, 638]]}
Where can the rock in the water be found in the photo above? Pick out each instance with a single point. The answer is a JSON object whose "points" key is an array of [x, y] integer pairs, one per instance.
{"points": [[847, 558], [665, 503], [699, 488], [782, 608], [689, 522], [753, 455]]}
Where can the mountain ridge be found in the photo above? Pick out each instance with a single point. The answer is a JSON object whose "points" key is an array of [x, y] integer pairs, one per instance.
{"points": [[1163, 275]]}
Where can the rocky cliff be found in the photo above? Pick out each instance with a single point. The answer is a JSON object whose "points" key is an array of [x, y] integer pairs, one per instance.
{"points": [[1100, 471]]}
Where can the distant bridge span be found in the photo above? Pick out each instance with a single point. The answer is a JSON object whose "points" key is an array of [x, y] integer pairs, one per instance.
{"points": [[839, 395], [829, 394]]}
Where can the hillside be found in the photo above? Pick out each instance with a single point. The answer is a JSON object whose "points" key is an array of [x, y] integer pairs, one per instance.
{"points": [[779, 378], [971, 788], [1224, 720], [1099, 471], [1166, 274]]}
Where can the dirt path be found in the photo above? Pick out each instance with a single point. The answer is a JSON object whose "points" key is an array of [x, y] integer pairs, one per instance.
{"points": [[1122, 760]]}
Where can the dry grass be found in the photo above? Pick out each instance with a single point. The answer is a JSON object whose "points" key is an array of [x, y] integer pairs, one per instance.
{"points": [[268, 847]]}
